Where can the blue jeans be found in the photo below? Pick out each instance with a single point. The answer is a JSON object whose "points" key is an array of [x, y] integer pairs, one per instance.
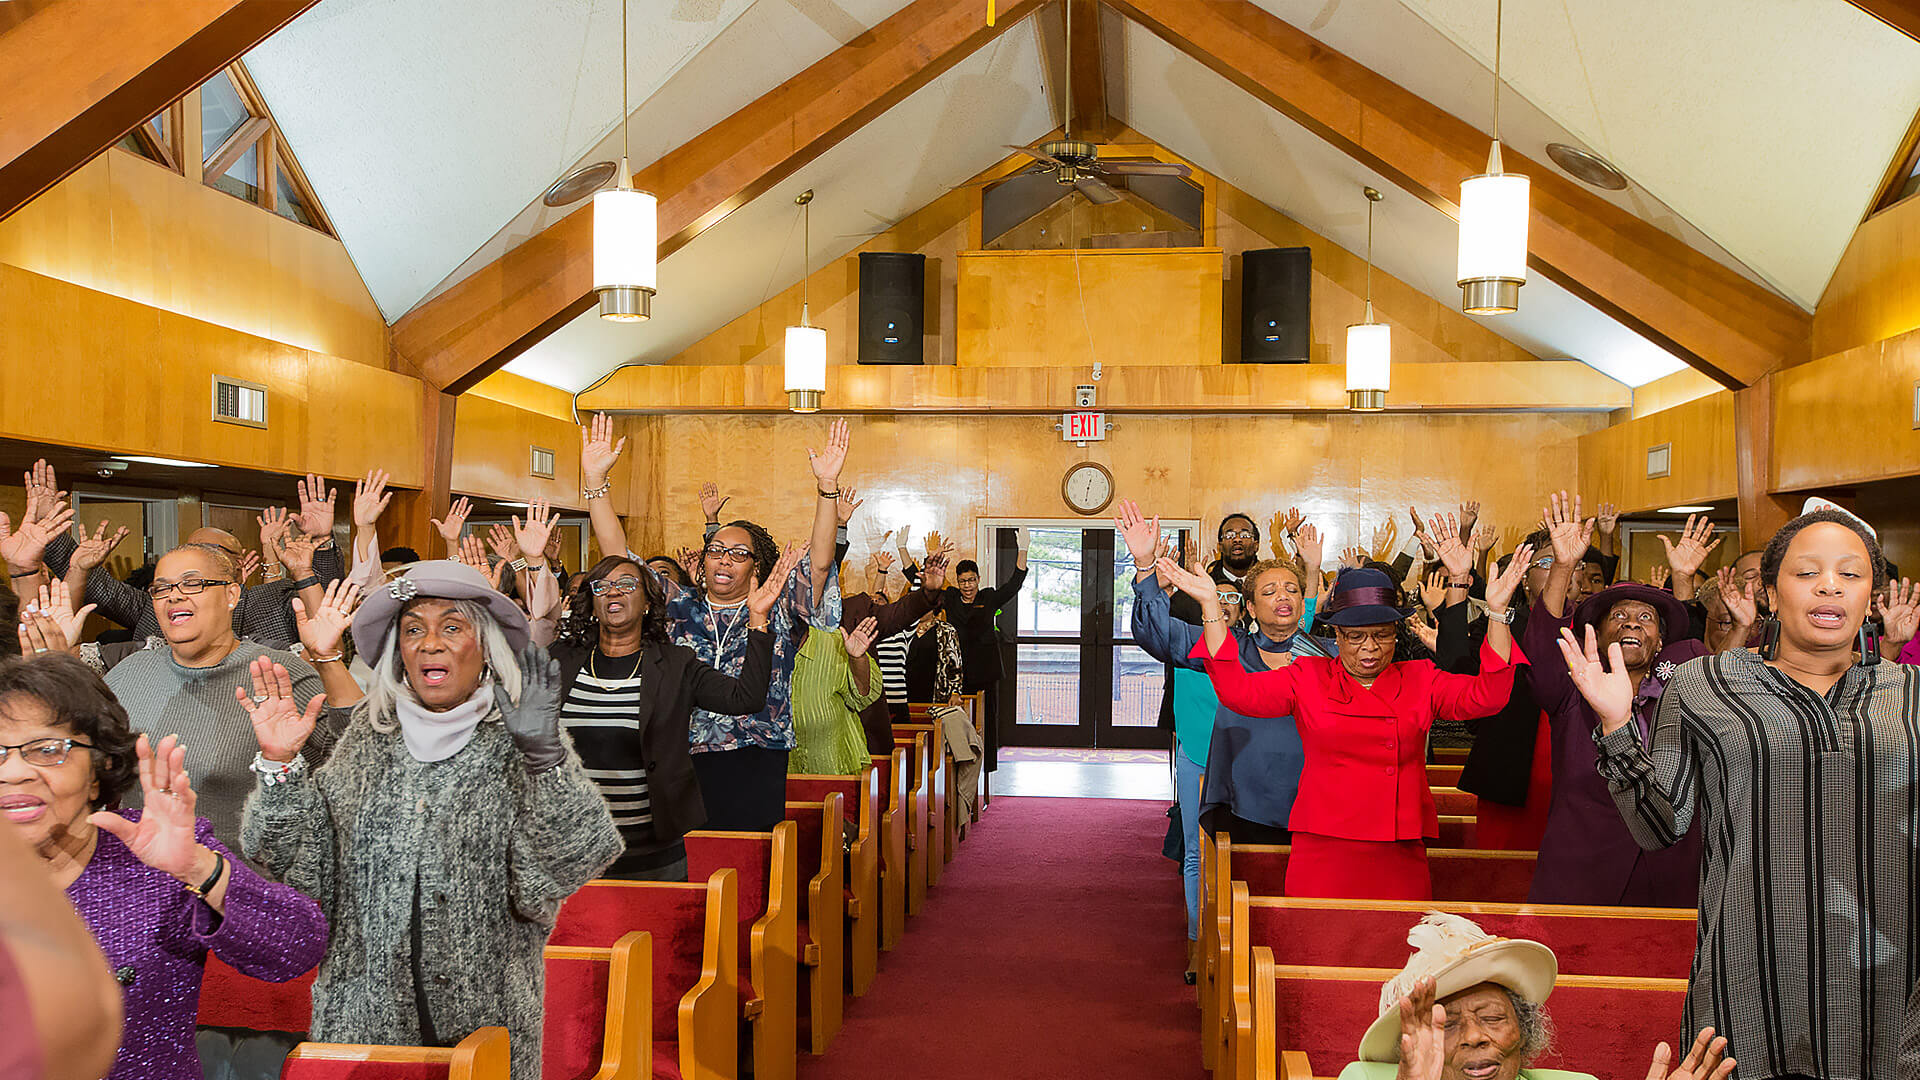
{"points": [[1186, 780]]}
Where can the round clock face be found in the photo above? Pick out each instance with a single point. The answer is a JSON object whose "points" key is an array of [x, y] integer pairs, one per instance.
{"points": [[1088, 488]]}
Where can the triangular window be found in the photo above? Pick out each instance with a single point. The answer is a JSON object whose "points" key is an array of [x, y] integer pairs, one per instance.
{"points": [[153, 140], [289, 200], [243, 154]]}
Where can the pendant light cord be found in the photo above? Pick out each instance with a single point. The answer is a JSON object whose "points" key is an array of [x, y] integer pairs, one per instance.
{"points": [[806, 254], [626, 178], [1499, 7], [1369, 259]]}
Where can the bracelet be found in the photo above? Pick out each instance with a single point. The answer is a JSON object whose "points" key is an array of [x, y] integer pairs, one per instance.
{"points": [[306, 582], [278, 772], [518, 565], [1460, 583], [825, 494], [332, 658], [597, 493], [205, 887], [273, 573], [1204, 619]]}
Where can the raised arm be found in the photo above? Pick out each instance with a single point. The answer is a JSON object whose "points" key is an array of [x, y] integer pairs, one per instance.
{"points": [[1469, 697], [862, 688], [1311, 549], [1687, 556], [1654, 789], [1571, 537], [370, 499], [826, 465], [321, 631], [1743, 608], [1155, 630], [316, 521], [598, 453], [717, 692]]}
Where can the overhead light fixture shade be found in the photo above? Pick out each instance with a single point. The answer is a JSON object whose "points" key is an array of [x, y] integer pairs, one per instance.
{"points": [[1369, 365], [1493, 239], [625, 249], [806, 367]]}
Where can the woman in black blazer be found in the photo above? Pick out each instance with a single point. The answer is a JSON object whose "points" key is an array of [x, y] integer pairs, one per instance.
{"points": [[628, 692]]}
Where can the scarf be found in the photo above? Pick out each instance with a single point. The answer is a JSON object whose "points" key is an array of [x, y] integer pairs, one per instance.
{"points": [[1267, 644], [436, 736]]}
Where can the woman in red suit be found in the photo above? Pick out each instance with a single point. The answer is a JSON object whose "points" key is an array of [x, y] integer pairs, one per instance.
{"points": [[1364, 809]]}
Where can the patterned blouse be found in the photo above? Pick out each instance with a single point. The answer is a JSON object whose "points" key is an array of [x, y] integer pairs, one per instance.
{"points": [[1809, 806], [718, 635]]}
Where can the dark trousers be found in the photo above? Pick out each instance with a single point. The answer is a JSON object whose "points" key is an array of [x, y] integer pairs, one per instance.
{"points": [[993, 726], [744, 790]]}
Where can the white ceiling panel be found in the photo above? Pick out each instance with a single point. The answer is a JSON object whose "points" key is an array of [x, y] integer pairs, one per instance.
{"points": [[426, 125], [1180, 103], [940, 136]]}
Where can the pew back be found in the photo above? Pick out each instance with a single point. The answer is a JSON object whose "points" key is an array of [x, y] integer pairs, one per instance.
{"points": [[482, 1055], [895, 802], [597, 1022], [862, 802], [822, 950], [768, 910]]}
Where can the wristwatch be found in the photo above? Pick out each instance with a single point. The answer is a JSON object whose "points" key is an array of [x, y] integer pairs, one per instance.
{"points": [[1503, 617]]}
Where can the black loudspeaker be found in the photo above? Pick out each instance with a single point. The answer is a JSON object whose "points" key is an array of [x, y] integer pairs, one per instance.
{"points": [[892, 307], [1276, 302]]}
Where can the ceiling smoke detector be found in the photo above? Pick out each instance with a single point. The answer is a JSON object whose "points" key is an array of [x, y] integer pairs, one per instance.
{"points": [[1587, 167], [580, 183]]}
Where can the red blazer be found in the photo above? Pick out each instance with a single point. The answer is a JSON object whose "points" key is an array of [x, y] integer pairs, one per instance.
{"points": [[1365, 776]]}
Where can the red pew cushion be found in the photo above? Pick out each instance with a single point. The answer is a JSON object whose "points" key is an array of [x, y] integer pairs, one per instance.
{"points": [[574, 1032], [666, 1061], [321, 1069], [230, 999], [751, 855], [675, 915], [1500, 877]]}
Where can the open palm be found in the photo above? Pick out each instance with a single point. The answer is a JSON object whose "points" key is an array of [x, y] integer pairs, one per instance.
{"points": [[1607, 687], [1140, 533], [163, 837], [598, 450], [279, 724], [23, 547]]}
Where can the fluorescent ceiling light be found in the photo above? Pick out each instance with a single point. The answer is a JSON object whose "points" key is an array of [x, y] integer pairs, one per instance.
{"points": [[175, 462], [1684, 509]]}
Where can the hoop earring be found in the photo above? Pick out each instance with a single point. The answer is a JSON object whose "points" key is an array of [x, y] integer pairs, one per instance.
{"points": [[1769, 637]]}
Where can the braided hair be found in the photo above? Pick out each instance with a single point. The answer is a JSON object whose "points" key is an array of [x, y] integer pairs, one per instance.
{"points": [[580, 627], [765, 552]]}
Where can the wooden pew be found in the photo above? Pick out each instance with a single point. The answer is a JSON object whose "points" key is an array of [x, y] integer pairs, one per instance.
{"points": [[898, 803], [1458, 873], [1456, 831], [822, 952], [1449, 755], [1453, 801], [862, 800], [480, 1056], [1207, 987], [768, 869], [1444, 775], [598, 1023], [940, 816], [919, 792], [696, 960]]}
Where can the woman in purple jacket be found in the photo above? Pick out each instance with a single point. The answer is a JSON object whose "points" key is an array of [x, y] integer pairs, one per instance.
{"points": [[154, 886]]}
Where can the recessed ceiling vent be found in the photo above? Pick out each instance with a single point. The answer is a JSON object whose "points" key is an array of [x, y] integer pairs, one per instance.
{"points": [[1587, 167], [236, 401]]}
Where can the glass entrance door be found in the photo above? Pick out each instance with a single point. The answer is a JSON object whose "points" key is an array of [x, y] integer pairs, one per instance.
{"points": [[1074, 676]]}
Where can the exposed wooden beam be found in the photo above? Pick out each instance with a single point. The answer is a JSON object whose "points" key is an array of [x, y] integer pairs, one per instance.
{"points": [[1902, 15], [77, 75], [505, 307], [1761, 511], [1086, 75], [1680, 298], [248, 133]]}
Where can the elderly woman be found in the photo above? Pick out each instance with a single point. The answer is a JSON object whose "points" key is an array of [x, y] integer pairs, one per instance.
{"points": [[1364, 809], [1798, 762], [447, 826], [192, 686], [156, 887], [1469, 1006]]}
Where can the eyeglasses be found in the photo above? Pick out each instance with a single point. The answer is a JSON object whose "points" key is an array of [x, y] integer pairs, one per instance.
{"points": [[621, 585], [187, 587], [1379, 635], [731, 554], [1545, 562], [43, 753], [1228, 597], [1237, 534]]}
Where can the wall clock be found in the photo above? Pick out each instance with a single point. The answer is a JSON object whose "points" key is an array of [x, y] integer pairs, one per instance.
{"points": [[1087, 488]]}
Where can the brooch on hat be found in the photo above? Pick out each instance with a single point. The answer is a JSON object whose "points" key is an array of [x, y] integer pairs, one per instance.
{"points": [[1664, 670], [402, 589]]}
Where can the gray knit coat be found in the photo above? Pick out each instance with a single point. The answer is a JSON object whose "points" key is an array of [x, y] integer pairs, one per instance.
{"points": [[486, 850]]}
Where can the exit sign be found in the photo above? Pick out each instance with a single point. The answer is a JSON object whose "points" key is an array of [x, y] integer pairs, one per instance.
{"points": [[1083, 426]]}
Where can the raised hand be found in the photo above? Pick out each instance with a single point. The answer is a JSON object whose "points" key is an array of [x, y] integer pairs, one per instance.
{"points": [[1469, 517], [1484, 536], [500, 540], [1659, 576], [296, 553], [56, 603], [1192, 582], [1352, 558], [41, 634], [766, 593], [534, 720], [1138, 532], [43, 492], [827, 463], [1433, 590], [1501, 589], [316, 507], [279, 724], [1608, 518], [1423, 1034], [1707, 1060], [882, 561], [249, 566], [690, 561], [1447, 546], [1686, 556], [1743, 605], [1570, 535], [1424, 631], [370, 498], [322, 630], [93, 550], [1311, 545], [163, 837], [711, 501], [533, 533], [846, 504], [1021, 538], [456, 521], [933, 569], [1385, 535], [1899, 611], [473, 553], [1607, 687], [23, 547], [598, 450], [275, 523], [860, 638]]}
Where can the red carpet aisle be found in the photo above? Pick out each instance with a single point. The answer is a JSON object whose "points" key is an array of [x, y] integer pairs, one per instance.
{"points": [[1052, 948]]}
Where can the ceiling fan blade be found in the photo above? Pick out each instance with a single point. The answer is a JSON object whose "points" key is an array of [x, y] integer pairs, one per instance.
{"points": [[1038, 154], [1097, 192], [992, 180], [1144, 168]]}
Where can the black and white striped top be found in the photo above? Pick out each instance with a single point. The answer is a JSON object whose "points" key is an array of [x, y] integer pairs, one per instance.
{"points": [[1809, 808], [602, 716], [892, 654]]}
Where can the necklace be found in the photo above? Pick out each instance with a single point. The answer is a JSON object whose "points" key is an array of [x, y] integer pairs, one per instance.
{"points": [[628, 677], [713, 621]]}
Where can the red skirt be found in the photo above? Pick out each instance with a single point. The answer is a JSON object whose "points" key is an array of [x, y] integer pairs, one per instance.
{"points": [[1328, 866], [1499, 827]]}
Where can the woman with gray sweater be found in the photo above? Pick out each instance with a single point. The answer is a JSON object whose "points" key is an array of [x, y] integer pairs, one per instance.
{"points": [[445, 829]]}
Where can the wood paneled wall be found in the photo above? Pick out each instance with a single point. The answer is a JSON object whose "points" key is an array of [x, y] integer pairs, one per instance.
{"points": [[1676, 389], [1874, 293], [125, 226], [944, 472], [492, 444], [1613, 461], [1076, 308], [1848, 418], [89, 369]]}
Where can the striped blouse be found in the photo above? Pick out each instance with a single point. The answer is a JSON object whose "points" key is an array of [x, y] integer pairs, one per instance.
{"points": [[602, 716], [891, 656], [1810, 808]]}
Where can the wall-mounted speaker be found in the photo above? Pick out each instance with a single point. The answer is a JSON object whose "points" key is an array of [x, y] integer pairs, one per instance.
{"points": [[892, 307], [1276, 303]]}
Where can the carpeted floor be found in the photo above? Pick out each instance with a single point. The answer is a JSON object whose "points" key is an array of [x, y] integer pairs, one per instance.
{"points": [[1052, 948]]}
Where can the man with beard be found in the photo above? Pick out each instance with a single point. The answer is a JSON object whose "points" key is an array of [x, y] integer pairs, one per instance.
{"points": [[1239, 549]]}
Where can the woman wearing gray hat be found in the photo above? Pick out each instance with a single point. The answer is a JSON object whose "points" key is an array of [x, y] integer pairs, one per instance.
{"points": [[445, 829]]}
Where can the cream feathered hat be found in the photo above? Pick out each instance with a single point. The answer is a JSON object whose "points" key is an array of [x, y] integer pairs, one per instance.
{"points": [[1457, 954]]}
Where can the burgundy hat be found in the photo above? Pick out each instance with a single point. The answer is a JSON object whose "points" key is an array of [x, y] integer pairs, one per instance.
{"points": [[1363, 596], [440, 579], [1672, 611]]}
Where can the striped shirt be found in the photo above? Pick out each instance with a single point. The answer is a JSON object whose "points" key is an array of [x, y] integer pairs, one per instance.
{"points": [[1809, 807], [602, 715], [891, 654]]}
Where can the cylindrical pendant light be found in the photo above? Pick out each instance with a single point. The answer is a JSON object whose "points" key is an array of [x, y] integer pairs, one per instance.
{"points": [[806, 356], [1369, 344], [1493, 223], [625, 229]]}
